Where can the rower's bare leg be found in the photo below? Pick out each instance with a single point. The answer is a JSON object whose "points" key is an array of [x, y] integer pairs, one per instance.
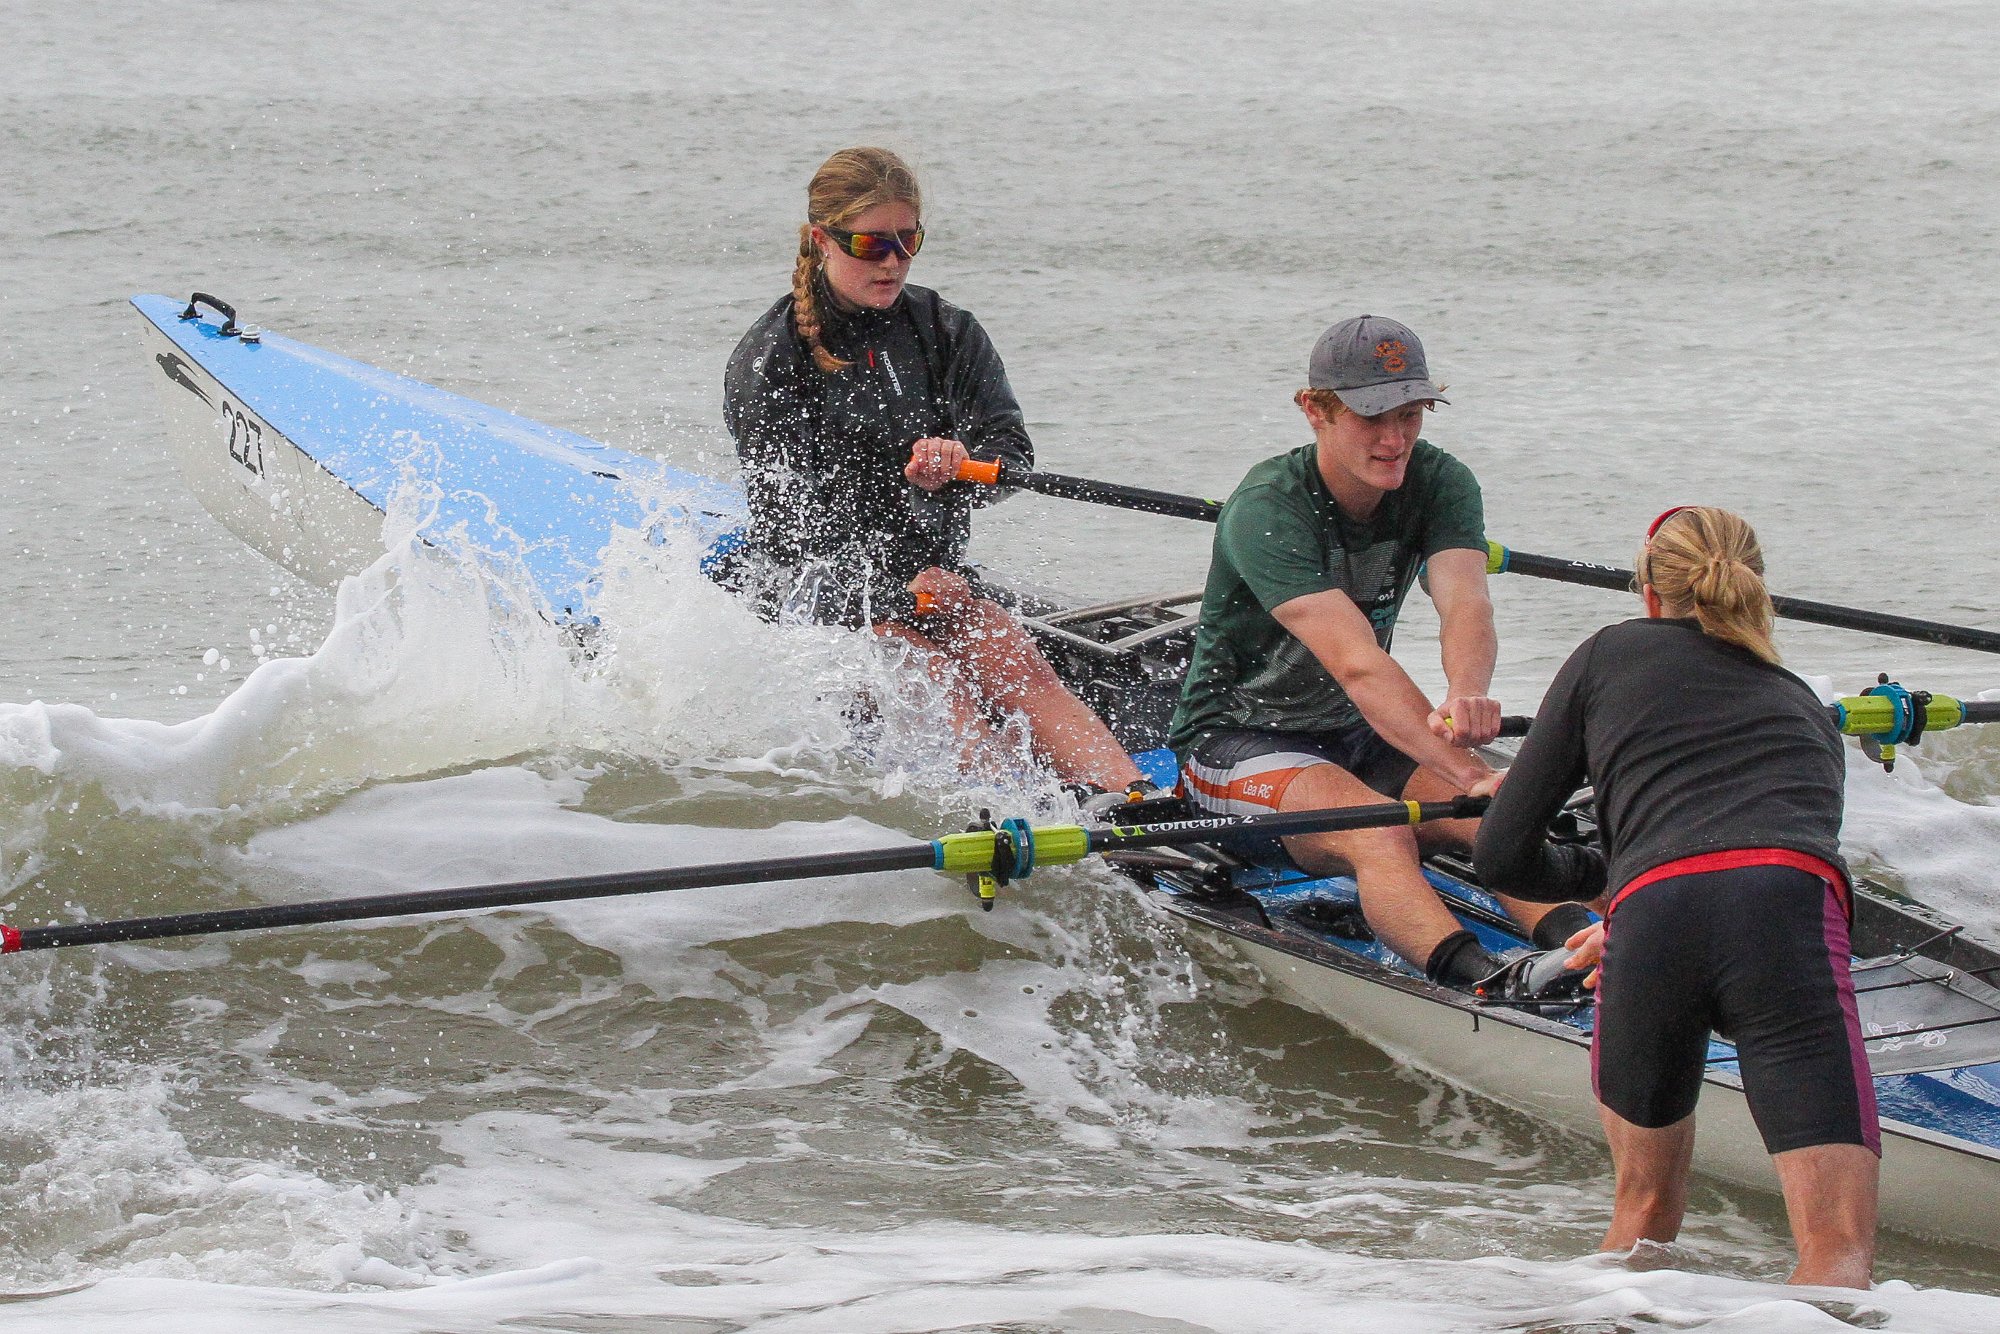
{"points": [[1402, 909], [1008, 669], [979, 745], [1451, 835], [1830, 1197], [1458, 836], [1652, 1166]]}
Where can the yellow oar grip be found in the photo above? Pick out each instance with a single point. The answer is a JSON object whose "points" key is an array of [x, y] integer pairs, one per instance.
{"points": [[968, 854], [1061, 844], [963, 854], [1874, 715]]}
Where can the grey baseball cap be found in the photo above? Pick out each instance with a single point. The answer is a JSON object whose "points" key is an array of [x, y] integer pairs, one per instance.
{"points": [[1373, 363]]}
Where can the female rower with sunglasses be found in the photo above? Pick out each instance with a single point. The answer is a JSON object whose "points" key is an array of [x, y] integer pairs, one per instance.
{"points": [[1718, 780], [853, 401]]}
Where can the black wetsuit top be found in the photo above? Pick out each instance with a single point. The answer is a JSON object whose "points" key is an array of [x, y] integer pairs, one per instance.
{"points": [[836, 530], [1694, 745]]}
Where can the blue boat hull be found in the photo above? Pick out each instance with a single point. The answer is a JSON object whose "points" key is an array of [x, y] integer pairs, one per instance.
{"points": [[304, 454]]}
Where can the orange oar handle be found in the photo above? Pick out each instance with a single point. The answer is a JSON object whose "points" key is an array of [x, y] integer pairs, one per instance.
{"points": [[986, 473]]}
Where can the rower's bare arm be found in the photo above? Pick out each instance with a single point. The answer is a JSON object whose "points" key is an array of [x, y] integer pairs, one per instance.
{"points": [[1469, 646], [1341, 638]]}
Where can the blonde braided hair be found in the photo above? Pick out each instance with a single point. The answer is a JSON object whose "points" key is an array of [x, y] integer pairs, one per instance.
{"points": [[846, 185]]}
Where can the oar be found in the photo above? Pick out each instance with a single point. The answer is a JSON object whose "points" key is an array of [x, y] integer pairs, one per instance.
{"points": [[1010, 851], [1876, 715], [1503, 560], [1499, 559], [1003, 473]]}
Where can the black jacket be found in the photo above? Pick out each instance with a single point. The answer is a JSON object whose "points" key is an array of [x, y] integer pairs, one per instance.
{"points": [[1694, 746], [836, 530]]}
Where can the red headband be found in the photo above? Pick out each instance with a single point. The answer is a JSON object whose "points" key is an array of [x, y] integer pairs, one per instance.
{"points": [[1643, 576], [1654, 527]]}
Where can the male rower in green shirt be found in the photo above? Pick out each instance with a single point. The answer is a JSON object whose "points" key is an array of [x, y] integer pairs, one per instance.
{"points": [[1293, 702]]}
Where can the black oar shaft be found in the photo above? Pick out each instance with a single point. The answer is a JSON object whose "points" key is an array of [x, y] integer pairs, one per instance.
{"points": [[1144, 499], [1557, 568], [473, 897], [1566, 571], [1138, 498], [1976, 711], [1792, 609], [975, 850], [1286, 823], [1886, 623]]}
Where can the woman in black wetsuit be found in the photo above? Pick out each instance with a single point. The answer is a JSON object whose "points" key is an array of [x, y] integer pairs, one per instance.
{"points": [[1718, 778], [853, 401]]}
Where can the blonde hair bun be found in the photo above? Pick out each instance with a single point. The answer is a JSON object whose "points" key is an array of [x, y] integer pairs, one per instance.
{"points": [[1705, 562]]}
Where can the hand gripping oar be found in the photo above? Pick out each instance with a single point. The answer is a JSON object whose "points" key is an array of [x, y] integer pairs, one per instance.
{"points": [[1499, 559], [1007, 852]]}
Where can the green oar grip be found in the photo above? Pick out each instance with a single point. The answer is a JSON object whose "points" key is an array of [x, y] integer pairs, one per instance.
{"points": [[1047, 845], [1875, 715], [1061, 845]]}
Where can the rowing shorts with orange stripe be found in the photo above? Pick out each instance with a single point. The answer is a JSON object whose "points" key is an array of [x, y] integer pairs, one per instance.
{"points": [[1246, 773]]}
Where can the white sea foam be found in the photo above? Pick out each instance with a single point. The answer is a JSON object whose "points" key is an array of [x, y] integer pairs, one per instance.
{"points": [[435, 661], [112, 1185], [337, 774], [684, 1270], [420, 670], [425, 668], [1939, 847]]}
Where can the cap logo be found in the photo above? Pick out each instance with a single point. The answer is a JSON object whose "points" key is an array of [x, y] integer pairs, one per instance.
{"points": [[1389, 355]]}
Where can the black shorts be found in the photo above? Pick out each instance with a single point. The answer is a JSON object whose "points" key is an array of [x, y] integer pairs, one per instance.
{"points": [[1246, 773], [1761, 954]]}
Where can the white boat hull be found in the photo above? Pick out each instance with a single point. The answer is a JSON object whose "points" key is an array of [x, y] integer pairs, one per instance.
{"points": [[258, 483], [1932, 1185]]}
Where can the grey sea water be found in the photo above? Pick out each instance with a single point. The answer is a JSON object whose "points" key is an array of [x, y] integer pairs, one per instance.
{"points": [[1662, 253]]}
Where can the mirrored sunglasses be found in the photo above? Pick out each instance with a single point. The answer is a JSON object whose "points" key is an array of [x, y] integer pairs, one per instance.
{"points": [[874, 247]]}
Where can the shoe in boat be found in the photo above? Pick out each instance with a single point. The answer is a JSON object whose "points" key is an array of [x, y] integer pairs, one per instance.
{"points": [[1103, 807], [1540, 977]]}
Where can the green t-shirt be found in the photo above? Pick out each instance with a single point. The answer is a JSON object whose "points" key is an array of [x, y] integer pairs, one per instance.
{"points": [[1281, 536]]}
